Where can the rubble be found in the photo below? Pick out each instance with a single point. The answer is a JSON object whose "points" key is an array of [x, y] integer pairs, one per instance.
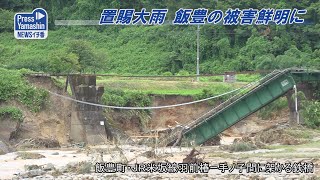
{"points": [[35, 143], [48, 167], [82, 167], [274, 136], [215, 141], [29, 155], [192, 157]]}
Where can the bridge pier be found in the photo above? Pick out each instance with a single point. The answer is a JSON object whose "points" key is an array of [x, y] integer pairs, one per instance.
{"points": [[87, 122]]}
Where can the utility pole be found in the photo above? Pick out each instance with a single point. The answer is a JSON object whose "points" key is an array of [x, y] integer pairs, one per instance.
{"points": [[198, 45], [296, 103]]}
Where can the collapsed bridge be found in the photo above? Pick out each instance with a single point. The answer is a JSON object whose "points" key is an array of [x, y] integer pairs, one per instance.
{"points": [[240, 106]]}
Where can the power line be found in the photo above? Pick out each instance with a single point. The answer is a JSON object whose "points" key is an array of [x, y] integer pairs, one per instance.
{"points": [[143, 108], [144, 76], [157, 107]]}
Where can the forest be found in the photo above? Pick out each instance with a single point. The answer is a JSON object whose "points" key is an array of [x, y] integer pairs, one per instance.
{"points": [[161, 49]]}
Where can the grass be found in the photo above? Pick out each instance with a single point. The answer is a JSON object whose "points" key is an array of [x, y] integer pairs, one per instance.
{"points": [[289, 151], [303, 133], [315, 144], [161, 87], [184, 88], [247, 77], [169, 86], [11, 112]]}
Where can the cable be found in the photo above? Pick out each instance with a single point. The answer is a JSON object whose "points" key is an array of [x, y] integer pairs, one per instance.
{"points": [[143, 108], [156, 107], [144, 76]]}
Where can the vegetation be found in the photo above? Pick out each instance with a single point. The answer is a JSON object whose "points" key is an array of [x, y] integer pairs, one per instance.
{"points": [[241, 146], [273, 110], [129, 99], [310, 109], [11, 112], [14, 87], [121, 98], [154, 50], [311, 114], [302, 132], [159, 49], [163, 87], [218, 90]]}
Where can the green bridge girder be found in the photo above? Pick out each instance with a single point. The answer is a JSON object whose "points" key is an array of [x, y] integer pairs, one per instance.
{"points": [[236, 110], [299, 76]]}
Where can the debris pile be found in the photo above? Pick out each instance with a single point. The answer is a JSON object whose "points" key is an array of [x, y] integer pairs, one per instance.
{"points": [[273, 135], [277, 136], [29, 155], [192, 157], [82, 167], [35, 143], [215, 141]]}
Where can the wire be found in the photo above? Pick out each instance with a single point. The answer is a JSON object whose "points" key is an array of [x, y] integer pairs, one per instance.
{"points": [[144, 76], [157, 107], [143, 108]]}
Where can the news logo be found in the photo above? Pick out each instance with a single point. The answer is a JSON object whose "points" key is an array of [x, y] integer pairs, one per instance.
{"points": [[32, 25]]}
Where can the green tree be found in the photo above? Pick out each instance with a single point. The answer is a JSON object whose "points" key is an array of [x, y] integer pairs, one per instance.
{"points": [[85, 53], [315, 60], [266, 62], [311, 113], [63, 62], [255, 46], [6, 20]]}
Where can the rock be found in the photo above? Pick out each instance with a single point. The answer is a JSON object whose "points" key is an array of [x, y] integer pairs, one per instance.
{"points": [[63, 169], [35, 172], [71, 164], [48, 167], [16, 178], [24, 174], [31, 167], [3, 148], [55, 153]]}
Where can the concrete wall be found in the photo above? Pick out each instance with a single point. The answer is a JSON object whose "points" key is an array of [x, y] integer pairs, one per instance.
{"points": [[88, 122]]}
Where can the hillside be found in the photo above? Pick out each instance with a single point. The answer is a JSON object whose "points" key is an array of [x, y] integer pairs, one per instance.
{"points": [[163, 49]]}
